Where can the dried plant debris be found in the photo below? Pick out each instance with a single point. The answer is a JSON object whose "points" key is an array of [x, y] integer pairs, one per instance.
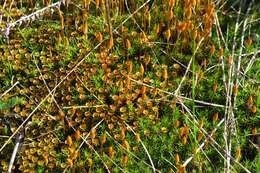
{"points": [[117, 86]]}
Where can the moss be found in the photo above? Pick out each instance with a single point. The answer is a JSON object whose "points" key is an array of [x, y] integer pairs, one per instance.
{"points": [[130, 85]]}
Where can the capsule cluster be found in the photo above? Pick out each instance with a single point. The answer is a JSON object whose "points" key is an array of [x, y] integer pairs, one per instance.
{"points": [[94, 68]]}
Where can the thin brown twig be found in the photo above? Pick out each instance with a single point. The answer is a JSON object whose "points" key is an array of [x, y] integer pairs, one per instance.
{"points": [[251, 62], [45, 98], [89, 90], [129, 151], [173, 94], [83, 107], [29, 17], [145, 149], [46, 83], [218, 29], [209, 137], [85, 141], [229, 110], [131, 15], [2, 95], [188, 67], [241, 50], [194, 121], [189, 113]]}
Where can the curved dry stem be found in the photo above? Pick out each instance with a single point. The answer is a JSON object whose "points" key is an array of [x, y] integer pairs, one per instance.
{"points": [[149, 156]]}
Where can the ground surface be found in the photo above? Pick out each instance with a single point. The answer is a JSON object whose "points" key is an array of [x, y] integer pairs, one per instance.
{"points": [[130, 86]]}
